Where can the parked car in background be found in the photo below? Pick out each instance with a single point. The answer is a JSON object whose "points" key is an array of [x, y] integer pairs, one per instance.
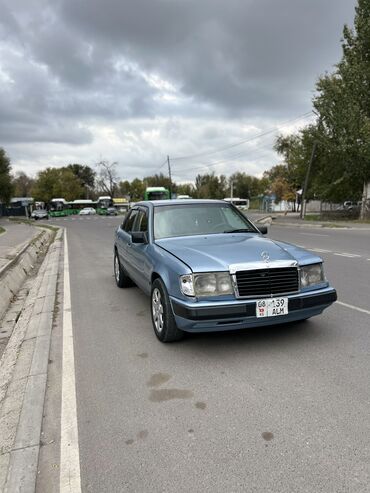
{"points": [[87, 211], [40, 214], [112, 211], [206, 267]]}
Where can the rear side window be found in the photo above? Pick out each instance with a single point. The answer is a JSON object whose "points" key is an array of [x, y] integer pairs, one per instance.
{"points": [[129, 223]]}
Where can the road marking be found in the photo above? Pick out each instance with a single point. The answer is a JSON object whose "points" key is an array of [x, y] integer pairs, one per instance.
{"points": [[362, 310], [312, 234], [320, 250], [349, 255], [70, 478]]}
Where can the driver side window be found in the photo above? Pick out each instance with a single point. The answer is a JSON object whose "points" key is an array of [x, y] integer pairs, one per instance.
{"points": [[129, 223], [142, 221]]}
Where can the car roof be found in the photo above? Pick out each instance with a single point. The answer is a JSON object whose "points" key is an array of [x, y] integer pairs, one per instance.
{"points": [[158, 203]]}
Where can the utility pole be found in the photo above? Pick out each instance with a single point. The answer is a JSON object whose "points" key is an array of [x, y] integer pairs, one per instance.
{"points": [[303, 200], [169, 175], [232, 190]]}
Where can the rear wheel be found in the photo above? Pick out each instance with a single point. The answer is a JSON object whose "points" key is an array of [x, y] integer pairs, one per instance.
{"points": [[164, 323], [122, 279]]}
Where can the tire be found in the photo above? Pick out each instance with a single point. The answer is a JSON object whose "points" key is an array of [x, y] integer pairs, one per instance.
{"points": [[122, 279], [163, 320]]}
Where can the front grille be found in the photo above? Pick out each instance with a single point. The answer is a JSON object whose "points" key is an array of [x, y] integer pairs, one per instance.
{"points": [[267, 282]]}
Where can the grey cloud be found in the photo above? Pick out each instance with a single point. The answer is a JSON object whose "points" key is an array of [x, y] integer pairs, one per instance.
{"points": [[74, 64]]}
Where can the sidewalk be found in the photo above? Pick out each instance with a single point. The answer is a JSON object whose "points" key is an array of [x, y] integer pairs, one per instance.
{"points": [[23, 377], [293, 219]]}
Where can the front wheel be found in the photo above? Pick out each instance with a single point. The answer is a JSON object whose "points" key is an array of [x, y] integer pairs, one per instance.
{"points": [[122, 279], [164, 323]]}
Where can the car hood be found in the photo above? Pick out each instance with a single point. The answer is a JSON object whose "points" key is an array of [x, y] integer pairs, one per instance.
{"points": [[217, 252]]}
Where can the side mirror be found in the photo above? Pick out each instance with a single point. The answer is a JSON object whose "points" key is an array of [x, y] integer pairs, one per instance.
{"points": [[139, 237], [262, 229]]}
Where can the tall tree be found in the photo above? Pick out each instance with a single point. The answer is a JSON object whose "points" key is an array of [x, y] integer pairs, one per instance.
{"points": [[108, 177], [85, 175], [343, 104], [160, 180], [22, 184], [6, 187], [57, 183], [137, 189], [211, 186]]}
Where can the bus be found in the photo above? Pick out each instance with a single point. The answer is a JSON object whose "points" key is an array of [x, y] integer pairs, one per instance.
{"points": [[242, 204], [156, 193], [76, 205], [58, 207], [103, 203]]}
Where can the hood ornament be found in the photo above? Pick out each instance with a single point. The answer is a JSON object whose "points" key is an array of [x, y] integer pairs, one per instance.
{"points": [[265, 256]]}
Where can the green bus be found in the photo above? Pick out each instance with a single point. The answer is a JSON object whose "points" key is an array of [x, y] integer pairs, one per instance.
{"points": [[76, 205], [58, 207], [156, 193], [102, 204]]}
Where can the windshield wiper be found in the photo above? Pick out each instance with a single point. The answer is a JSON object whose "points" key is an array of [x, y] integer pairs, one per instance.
{"points": [[242, 230]]}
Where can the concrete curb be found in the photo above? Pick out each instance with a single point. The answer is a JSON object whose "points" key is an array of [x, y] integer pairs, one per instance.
{"points": [[23, 376], [314, 226], [15, 272]]}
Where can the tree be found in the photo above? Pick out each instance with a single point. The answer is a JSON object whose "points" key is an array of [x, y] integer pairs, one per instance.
{"points": [[160, 180], [343, 104], [185, 189], [108, 177], [137, 189], [57, 182], [22, 184], [6, 187], [124, 187], [86, 176], [210, 186], [245, 186]]}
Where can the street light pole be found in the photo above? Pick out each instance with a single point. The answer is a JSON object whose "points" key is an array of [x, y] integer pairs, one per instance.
{"points": [[169, 175], [303, 200]]}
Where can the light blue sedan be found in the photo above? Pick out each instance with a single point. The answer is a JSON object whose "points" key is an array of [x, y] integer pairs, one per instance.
{"points": [[206, 267]]}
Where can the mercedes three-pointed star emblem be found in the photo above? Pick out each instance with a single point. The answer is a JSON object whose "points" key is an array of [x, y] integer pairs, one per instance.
{"points": [[265, 256]]}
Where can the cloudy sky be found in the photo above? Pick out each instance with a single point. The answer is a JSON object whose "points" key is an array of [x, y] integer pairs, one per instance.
{"points": [[136, 80]]}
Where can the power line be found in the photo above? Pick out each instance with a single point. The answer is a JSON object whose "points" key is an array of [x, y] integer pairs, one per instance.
{"points": [[160, 167], [202, 154], [248, 160], [239, 154]]}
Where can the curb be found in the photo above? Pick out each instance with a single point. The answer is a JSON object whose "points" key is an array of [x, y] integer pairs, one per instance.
{"points": [[23, 376], [15, 272]]}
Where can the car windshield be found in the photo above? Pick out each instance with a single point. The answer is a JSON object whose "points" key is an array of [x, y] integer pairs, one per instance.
{"points": [[198, 219]]}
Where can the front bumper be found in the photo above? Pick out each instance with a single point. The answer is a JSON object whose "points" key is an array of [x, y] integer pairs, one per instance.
{"points": [[238, 314]]}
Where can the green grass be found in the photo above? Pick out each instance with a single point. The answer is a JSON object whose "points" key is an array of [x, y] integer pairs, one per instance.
{"points": [[312, 217], [33, 223], [2, 230]]}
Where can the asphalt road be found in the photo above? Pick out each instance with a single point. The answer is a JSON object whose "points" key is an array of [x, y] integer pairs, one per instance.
{"points": [[282, 409]]}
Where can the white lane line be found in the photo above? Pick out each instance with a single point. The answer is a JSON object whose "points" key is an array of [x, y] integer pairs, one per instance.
{"points": [[70, 478], [313, 234], [349, 255], [362, 310], [320, 250]]}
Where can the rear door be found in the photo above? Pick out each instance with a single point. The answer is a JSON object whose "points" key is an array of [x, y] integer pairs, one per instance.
{"points": [[123, 243]]}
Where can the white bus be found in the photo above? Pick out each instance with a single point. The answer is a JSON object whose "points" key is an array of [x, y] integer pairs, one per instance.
{"points": [[242, 204]]}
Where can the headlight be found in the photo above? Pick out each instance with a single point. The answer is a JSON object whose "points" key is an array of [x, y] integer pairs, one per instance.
{"points": [[209, 284], [311, 275]]}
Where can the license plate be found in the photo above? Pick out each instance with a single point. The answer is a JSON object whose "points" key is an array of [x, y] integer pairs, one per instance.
{"points": [[271, 307]]}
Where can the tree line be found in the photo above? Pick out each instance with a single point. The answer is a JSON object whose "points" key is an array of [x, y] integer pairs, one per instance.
{"points": [[77, 181]]}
